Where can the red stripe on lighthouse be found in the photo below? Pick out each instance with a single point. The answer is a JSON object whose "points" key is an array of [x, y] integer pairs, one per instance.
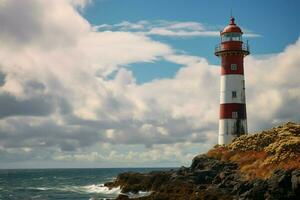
{"points": [[227, 109], [228, 60]]}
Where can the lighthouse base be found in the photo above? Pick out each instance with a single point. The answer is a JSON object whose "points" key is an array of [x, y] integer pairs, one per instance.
{"points": [[230, 129]]}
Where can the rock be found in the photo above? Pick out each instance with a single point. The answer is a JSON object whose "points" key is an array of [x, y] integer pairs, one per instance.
{"points": [[203, 162], [122, 197], [296, 181], [204, 176], [246, 169], [241, 187], [230, 181], [279, 184], [182, 170], [257, 191], [279, 179]]}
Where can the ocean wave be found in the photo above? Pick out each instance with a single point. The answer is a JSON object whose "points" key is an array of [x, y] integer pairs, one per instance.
{"points": [[100, 188], [41, 188], [93, 188], [33, 188], [138, 195]]}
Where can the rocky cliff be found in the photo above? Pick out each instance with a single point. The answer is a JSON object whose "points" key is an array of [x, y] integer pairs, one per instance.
{"points": [[264, 165]]}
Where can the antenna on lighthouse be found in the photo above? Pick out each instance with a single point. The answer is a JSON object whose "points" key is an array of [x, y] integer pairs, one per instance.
{"points": [[231, 5]]}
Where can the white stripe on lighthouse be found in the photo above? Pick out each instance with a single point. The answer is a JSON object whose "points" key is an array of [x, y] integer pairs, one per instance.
{"points": [[227, 128], [231, 83]]}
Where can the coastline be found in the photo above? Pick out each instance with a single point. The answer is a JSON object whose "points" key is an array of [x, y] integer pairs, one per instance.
{"points": [[248, 168]]}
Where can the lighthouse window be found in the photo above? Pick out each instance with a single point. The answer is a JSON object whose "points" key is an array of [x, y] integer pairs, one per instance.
{"points": [[226, 37], [236, 37], [233, 94], [231, 37], [234, 115], [233, 67]]}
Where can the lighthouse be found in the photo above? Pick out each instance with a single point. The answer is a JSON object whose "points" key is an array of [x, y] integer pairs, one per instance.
{"points": [[233, 116]]}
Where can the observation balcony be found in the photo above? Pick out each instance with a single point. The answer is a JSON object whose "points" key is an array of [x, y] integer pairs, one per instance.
{"points": [[224, 48]]}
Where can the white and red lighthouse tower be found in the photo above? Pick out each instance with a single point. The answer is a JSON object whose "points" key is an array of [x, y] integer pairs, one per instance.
{"points": [[232, 50]]}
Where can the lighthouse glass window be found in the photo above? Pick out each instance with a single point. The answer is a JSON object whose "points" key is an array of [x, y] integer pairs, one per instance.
{"points": [[231, 37], [233, 94], [233, 67], [236, 37], [234, 115], [226, 37]]}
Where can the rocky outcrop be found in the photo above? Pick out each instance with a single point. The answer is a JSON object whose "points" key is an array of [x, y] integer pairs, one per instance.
{"points": [[209, 178], [228, 172], [205, 179]]}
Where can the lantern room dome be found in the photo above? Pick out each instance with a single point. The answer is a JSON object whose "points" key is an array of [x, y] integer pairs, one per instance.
{"points": [[232, 27]]}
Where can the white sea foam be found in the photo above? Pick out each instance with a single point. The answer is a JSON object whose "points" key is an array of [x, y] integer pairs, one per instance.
{"points": [[41, 188], [138, 195], [94, 188], [100, 188]]}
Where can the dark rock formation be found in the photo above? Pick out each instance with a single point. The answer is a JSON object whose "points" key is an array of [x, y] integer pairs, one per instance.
{"points": [[211, 178], [296, 181]]}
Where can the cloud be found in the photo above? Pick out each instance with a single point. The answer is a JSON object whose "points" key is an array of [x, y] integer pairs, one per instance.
{"points": [[80, 4], [168, 155], [30, 22], [60, 103], [273, 87], [13, 28], [2, 78], [167, 28], [36, 106]]}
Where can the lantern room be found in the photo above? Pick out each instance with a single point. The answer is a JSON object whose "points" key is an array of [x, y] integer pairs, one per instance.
{"points": [[231, 32], [232, 41]]}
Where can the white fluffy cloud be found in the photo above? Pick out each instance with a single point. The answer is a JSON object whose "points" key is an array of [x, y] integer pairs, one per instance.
{"points": [[167, 28], [59, 104], [81, 4], [273, 88]]}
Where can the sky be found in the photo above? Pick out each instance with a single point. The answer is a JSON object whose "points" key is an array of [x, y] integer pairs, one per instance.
{"points": [[131, 83]]}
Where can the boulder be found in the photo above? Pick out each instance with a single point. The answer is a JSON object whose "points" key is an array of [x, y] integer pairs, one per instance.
{"points": [[296, 181]]}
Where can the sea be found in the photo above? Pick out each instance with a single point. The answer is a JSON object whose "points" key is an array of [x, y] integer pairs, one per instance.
{"points": [[63, 184]]}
